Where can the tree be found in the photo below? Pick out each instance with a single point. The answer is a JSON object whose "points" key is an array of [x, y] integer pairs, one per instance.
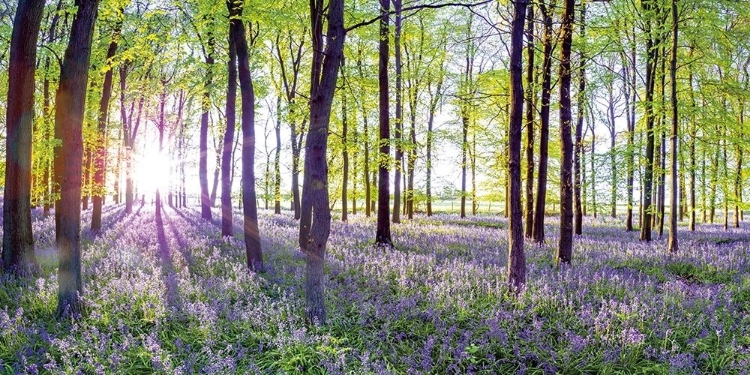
{"points": [[652, 55], [249, 202], [70, 99], [578, 146], [565, 245], [18, 243], [398, 128], [383, 231], [541, 187], [672, 245], [516, 256], [226, 151], [531, 95], [208, 54], [100, 154], [315, 219]]}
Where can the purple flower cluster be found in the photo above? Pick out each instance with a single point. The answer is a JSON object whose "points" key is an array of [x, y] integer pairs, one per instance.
{"points": [[173, 297]]}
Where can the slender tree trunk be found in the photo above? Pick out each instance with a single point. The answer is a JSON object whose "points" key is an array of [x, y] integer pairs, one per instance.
{"points": [[672, 245], [516, 256], [397, 136], [612, 153], [18, 241], [651, 60], [227, 226], [383, 231], [693, 132], [99, 188], [70, 105], [578, 145], [434, 101], [541, 187], [530, 98], [315, 220], [203, 142], [277, 164], [345, 155], [565, 247], [249, 200]]}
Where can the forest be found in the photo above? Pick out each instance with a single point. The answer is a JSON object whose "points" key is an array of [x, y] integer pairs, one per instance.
{"points": [[374, 187]]}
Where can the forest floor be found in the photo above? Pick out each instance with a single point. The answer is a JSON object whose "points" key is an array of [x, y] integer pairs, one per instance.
{"points": [[172, 296]]}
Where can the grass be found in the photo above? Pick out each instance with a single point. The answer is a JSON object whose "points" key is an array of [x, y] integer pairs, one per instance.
{"points": [[436, 304]]}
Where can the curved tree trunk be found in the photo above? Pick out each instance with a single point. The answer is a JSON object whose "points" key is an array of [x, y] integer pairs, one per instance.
{"points": [[18, 242], [315, 220], [249, 202]]}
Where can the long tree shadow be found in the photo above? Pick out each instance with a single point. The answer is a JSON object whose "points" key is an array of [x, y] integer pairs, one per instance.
{"points": [[171, 279], [182, 245]]}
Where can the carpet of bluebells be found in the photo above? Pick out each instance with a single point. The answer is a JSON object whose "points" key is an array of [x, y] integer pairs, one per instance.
{"points": [[173, 297]]}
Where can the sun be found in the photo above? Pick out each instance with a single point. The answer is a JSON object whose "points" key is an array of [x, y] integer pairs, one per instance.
{"points": [[151, 170]]}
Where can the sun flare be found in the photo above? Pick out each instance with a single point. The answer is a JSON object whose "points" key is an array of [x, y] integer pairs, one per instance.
{"points": [[151, 170]]}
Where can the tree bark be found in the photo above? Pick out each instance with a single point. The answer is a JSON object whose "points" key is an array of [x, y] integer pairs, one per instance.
{"points": [[516, 256], [70, 100], [253, 248], [99, 188], [345, 155], [383, 231], [203, 142], [651, 60], [397, 136], [565, 246], [18, 241], [315, 220], [531, 95], [227, 226], [541, 188], [578, 145], [277, 164], [672, 244]]}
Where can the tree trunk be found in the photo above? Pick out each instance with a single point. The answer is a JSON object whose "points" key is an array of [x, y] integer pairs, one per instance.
{"points": [[516, 256], [612, 153], [530, 99], [99, 188], [277, 164], [578, 145], [397, 136], [651, 60], [345, 155], [70, 105], [315, 220], [227, 226], [565, 247], [18, 241], [203, 142], [693, 132], [672, 245], [249, 203], [629, 85], [541, 188], [383, 231]]}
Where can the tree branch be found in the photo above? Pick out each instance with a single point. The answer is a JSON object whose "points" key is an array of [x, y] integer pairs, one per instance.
{"points": [[417, 8]]}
